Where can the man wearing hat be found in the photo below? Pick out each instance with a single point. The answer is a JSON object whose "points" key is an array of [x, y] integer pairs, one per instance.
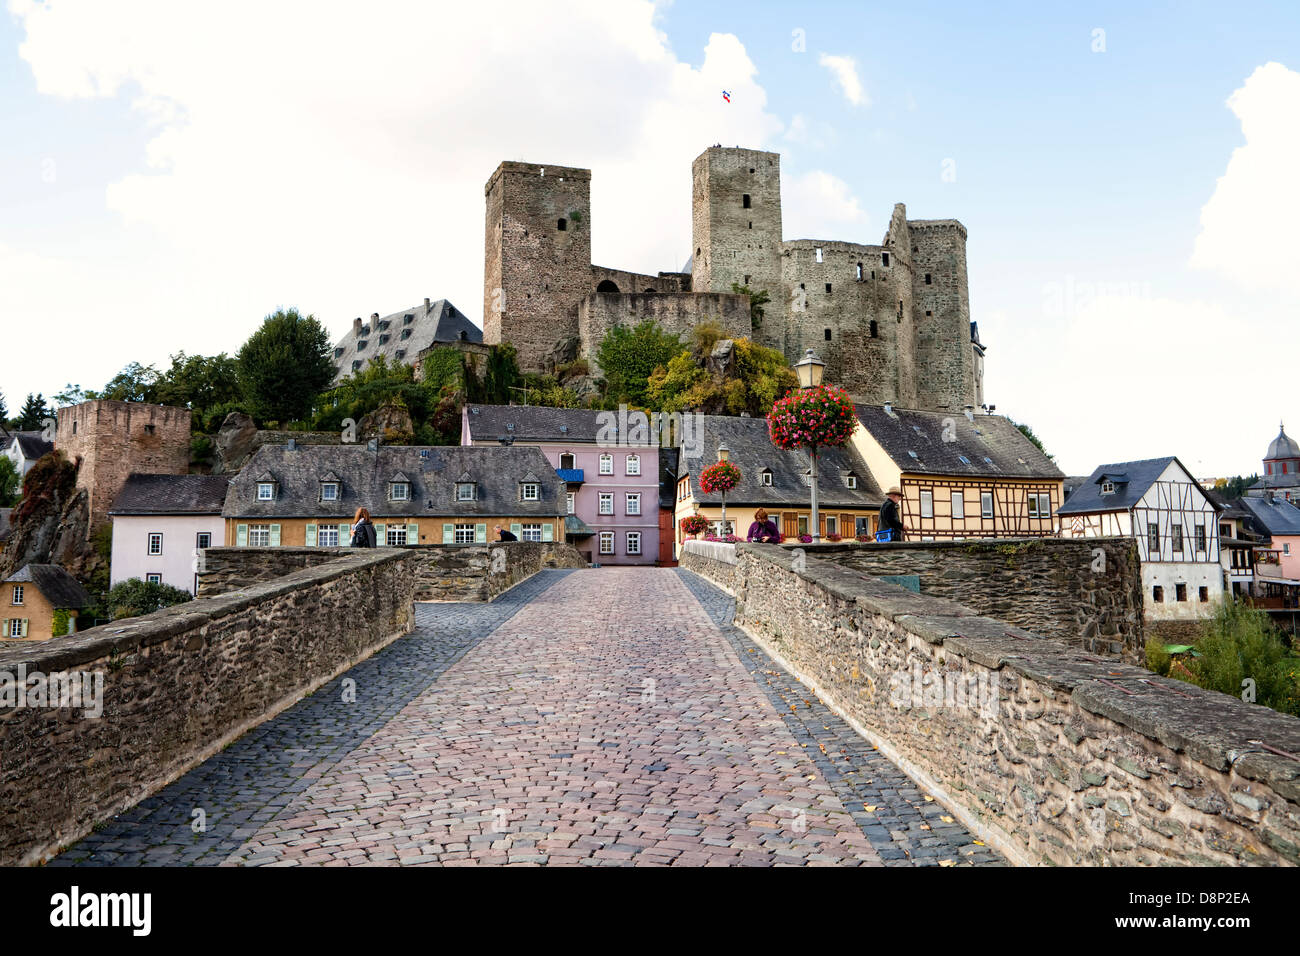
{"points": [[890, 519]]}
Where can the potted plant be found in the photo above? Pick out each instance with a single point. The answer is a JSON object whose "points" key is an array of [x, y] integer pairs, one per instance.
{"points": [[719, 478], [821, 416], [695, 525]]}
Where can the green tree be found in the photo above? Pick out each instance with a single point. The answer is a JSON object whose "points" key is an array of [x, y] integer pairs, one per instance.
{"points": [[133, 597], [199, 382], [756, 302], [31, 417], [10, 482], [1234, 487], [72, 395], [376, 385], [628, 356], [284, 365], [135, 383], [1029, 433], [4, 411]]}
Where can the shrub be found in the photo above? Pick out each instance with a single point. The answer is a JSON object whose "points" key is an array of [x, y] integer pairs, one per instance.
{"points": [[133, 597]]}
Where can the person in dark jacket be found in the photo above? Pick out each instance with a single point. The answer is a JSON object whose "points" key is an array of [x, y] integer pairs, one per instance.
{"points": [[504, 535], [363, 532], [763, 529], [891, 520]]}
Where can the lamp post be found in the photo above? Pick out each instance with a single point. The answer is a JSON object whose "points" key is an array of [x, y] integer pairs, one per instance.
{"points": [[724, 454], [810, 369]]}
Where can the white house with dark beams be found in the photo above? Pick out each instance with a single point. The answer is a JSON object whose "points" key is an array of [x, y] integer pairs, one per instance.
{"points": [[1175, 523]]}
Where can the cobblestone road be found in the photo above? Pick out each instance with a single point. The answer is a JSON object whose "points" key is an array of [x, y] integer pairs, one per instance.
{"points": [[604, 717]]}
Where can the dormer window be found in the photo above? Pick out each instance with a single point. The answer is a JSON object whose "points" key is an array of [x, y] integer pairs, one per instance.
{"points": [[406, 334], [361, 344], [265, 490], [530, 491], [356, 364], [806, 478], [408, 319], [383, 338], [338, 352], [464, 491], [399, 491], [850, 481], [1108, 487], [329, 491], [383, 323], [765, 477]]}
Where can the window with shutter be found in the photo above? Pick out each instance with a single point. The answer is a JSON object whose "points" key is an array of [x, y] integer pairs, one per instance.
{"points": [[311, 535], [548, 532], [412, 534], [449, 534], [241, 535], [480, 533], [275, 536]]}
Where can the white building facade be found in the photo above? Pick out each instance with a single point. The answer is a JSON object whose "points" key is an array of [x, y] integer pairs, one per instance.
{"points": [[162, 523]]}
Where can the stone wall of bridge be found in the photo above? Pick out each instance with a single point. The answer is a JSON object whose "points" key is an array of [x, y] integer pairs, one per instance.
{"points": [[1050, 754], [176, 686]]}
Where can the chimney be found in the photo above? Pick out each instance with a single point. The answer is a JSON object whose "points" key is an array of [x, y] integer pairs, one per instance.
{"points": [[970, 412], [356, 326], [374, 321], [427, 307]]}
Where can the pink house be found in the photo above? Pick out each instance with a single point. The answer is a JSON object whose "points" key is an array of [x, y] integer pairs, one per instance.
{"points": [[612, 484]]}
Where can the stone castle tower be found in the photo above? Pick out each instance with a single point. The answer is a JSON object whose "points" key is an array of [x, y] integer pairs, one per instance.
{"points": [[109, 440], [891, 321]]}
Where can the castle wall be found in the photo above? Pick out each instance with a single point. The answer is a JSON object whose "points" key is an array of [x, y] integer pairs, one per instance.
{"points": [[676, 312], [640, 282], [114, 439], [536, 270], [944, 355]]}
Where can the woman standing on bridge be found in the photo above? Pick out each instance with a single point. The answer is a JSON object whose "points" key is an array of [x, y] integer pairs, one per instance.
{"points": [[763, 528], [363, 532]]}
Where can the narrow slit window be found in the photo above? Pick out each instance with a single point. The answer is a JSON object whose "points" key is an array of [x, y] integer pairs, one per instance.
{"points": [[562, 225], [745, 201]]}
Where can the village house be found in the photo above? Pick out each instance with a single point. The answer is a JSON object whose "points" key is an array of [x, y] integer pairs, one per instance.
{"points": [[306, 496], [1175, 523], [611, 481], [400, 337], [1281, 468], [40, 601], [961, 475], [1239, 535], [24, 449], [777, 481], [161, 523], [1277, 556]]}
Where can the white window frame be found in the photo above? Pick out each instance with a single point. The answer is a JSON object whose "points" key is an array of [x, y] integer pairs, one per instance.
{"points": [[323, 533], [200, 543], [149, 546], [399, 491], [832, 524], [259, 530], [632, 503], [265, 490], [606, 498], [532, 491], [464, 491], [607, 466], [986, 504], [717, 528], [1033, 506], [1108, 487], [1044, 505], [927, 504], [395, 535], [530, 532], [571, 499], [634, 542], [632, 465], [15, 627], [463, 534], [851, 481], [153, 578], [606, 536], [958, 499], [16, 599], [329, 491], [766, 479]]}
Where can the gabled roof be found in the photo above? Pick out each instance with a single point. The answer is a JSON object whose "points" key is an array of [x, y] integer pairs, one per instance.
{"points": [[365, 477], [1131, 479], [31, 445], [171, 495], [440, 322], [575, 426], [940, 443], [751, 450], [55, 584], [1276, 515]]}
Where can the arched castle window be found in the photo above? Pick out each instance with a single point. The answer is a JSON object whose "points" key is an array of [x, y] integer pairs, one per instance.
{"points": [[859, 271], [607, 287]]}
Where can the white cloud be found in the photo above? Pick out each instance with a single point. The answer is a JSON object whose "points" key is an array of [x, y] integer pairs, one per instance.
{"points": [[1248, 231], [844, 74], [818, 205], [334, 157]]}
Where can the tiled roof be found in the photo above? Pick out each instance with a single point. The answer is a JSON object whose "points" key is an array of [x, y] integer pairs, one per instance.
{"points": [[939, 443], [1277, 515], [752, 451], [396, 333], [1131, 480], [55, 584], [364, 476], [171, 495], [535, 423]]}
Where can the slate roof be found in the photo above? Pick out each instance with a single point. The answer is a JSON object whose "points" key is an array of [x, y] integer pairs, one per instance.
{"points": [[1131, 478], [991, 445], [1283, 446], [576, 426], [364, 476], [439, 322], [752, 452], [171, 495], [32, 445], [1277, 516], [55, 584], [1290, 480]]}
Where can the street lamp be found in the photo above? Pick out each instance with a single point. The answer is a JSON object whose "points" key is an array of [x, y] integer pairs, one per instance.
{"points": [[724, 454], [810, 369]]}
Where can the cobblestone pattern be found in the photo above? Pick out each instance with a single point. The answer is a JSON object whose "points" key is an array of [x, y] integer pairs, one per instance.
{"points": [[904, 824], [250, 782]]}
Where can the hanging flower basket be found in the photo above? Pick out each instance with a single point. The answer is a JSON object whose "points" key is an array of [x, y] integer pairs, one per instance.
{"points": [[695, 524], [821, 417], [719, 478]]}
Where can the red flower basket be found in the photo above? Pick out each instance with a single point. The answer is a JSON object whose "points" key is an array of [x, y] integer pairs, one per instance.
{"points": [[695, 524], [821, 417], [719, 478]]}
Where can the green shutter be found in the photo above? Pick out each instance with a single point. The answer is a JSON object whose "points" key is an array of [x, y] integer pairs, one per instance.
{"points": [[449, 534], [241, 535], [275, 536], [311, 536], [412, 534], [548, 531], [381, 535], [24, 627], [480, 533], [345, 536], [517, 530]]}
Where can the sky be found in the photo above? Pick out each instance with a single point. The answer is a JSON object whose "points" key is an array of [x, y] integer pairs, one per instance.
{"points": [[172, 173]]}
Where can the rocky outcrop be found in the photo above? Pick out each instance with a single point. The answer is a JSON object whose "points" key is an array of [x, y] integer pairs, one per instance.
{"points": [[235, 443], [51, 523], [388, 423]]}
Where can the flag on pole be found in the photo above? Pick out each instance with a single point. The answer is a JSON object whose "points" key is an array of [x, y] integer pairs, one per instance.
{"points": [[726, 96]]}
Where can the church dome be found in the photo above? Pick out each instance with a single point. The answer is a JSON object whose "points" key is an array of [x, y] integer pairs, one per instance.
{"points": [[1283, 446]]}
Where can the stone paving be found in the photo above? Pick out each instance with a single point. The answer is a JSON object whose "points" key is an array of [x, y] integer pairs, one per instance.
{"points": [[606, 717]]}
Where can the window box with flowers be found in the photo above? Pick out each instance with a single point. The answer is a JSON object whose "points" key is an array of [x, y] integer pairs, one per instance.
{"points": [[695, 525]]}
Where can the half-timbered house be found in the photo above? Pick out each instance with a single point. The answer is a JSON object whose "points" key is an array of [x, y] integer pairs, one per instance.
{"points": [[1160, 504], [962, 475]]}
